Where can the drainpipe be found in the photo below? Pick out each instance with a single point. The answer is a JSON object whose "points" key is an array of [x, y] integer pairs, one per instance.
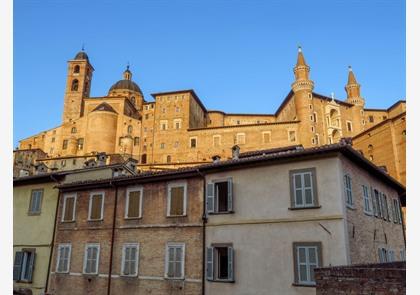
{"points": [[204, 218], [112, 237], [53, 237]]}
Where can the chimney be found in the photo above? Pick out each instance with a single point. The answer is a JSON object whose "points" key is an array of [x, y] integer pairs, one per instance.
{"points": [[216, 159], [40, 168], [101, 159], [235, 152], [345, 141], [90, 163], [132, 164]]}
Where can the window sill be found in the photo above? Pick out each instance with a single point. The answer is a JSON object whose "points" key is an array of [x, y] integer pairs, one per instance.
{"points": [[221, 281], [304, 285], [351, 207], [175, 279], [95, 220], [90, 274], [129, 276], [34, 213], [175, 216], [23, 281], [133, 218], [221, 213], [68, 221], [368, 213], [304, 208]]}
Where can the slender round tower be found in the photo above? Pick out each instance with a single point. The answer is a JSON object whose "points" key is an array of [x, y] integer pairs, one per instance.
{"points": [[353, 96]]}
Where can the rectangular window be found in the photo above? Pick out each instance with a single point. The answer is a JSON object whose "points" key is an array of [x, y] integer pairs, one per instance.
{"points": [[219, 196], [307, 257], [383, 255], [391, 256], [385, 207], [219, 263], [163, 125], [69, 207], [96, 206], [378, 204], [216, 140], [175, 257], [349, 126], [162, 145], [177, 124], [240, 138], [266, 135], [130, 260], [177, 199], [193, 142], [63, 258], [371, 119], [303, 186], [136, 140], [91, 260], [366, 200], [315, 117], [292, 136], [133, 203], [348, 190], [36, 201], [23, 265], [80, 143], [65, 143], [397, 211]]}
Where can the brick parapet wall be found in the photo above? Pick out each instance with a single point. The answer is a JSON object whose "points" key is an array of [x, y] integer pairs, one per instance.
{"points": [[384, 278]]}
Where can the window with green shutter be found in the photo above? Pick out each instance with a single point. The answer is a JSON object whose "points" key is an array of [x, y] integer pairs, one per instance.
{"points": [[303, 188], [35, 201]]}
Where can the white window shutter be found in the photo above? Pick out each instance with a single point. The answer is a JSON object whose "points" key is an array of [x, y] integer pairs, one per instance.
{"points": [[17, 266], [209, 268], [230, 263], [230, 195], [210, 197]]}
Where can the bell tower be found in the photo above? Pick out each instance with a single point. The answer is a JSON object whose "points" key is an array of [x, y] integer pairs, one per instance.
{"points": [[302, 88], [354, 97], [79, 78]]}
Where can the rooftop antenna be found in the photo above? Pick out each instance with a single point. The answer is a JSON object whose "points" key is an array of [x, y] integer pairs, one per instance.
{"points": [[83, 46]]}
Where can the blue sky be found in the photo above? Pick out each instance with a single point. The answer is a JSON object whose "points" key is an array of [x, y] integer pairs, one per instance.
{"points": [[237, 55]]}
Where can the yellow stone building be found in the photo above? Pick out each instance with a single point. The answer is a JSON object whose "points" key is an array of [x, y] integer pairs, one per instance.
{"points": [[176, 129]]}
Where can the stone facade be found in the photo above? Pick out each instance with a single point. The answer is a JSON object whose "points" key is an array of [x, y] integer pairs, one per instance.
{"points": [[152, 231], [177, 130]]}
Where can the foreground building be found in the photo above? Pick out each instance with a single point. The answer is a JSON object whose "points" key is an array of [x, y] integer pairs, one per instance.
{"points": [[35, 203], [270, 218], [176, 129]]}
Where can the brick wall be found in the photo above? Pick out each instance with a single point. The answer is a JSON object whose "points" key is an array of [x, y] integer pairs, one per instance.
{"points": [[384, 279]]}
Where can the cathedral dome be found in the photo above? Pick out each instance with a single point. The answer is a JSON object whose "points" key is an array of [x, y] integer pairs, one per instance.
{"points": [[81, 55], [126, 83]]}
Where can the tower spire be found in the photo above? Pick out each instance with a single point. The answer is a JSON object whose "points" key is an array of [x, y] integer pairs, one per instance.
{"points": [[127, 73], [353, 89], [300, 59]]}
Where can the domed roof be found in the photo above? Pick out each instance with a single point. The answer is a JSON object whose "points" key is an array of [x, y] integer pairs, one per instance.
{"points": [[81, 55], [126, 83]]}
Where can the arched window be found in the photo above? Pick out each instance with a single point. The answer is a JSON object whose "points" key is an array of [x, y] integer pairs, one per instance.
{"points": [[168, 159], [73, 130], [75, 85], [129, 129], [76, 69], [144, 159]]}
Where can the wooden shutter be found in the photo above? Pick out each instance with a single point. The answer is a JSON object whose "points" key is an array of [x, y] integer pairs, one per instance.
{"points": [[127, 256], [69, 206], [372, 196], [210, 197], [133, 204], [209, 268], [177, 201], [230, 195], [17, 266], [96, 207], [31, 266], [230, 263]]}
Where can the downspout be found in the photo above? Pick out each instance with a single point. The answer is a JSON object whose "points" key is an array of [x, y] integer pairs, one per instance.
{"points": [[53, 237], [204, 218], [112, 237]]}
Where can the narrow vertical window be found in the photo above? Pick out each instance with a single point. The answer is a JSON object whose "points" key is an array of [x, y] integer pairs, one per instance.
{"points": [[69, 208], [133, 204], [63, 258], [91, 260], [75, 85], [96, 206], [266, 136], [177, 199], [348, 190], [36, 201], [193, 142], [65, 144], [130, 260], [175, 257], [366, 200]]}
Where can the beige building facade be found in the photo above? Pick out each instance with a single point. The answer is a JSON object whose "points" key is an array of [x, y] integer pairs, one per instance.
{"points": [[273, 219], [176, 129]]}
